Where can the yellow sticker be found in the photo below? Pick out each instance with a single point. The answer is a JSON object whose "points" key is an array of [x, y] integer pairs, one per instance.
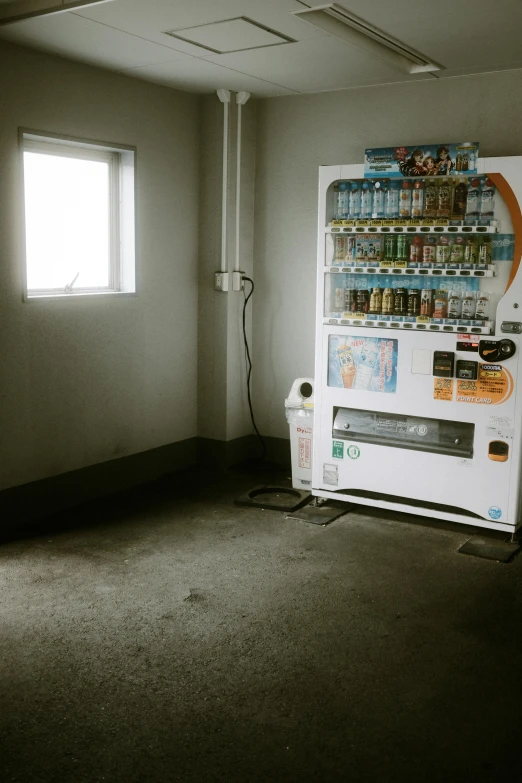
{"points": [[443, 389], [423, 319], [400, 264], [442, 222], [386, 264], [375, 222], [362, 222], [493, 386], [400, 222], [428, 222], [388, 222]]}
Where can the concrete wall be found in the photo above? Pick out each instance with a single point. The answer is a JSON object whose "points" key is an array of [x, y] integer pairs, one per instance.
{"points": [[296, 135], [89, 380]]}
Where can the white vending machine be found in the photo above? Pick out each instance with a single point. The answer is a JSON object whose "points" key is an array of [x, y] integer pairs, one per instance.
{"points": [[418, 342]]}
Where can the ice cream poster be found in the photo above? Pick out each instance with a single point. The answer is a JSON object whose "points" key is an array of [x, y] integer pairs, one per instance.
{"points": [[362, 363], [422, 160]]}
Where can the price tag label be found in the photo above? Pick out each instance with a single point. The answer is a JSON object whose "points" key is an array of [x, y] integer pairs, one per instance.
{"points": [[375, 222], [414, 222], [401, 222], [354, 315], [400, 264], [362, 223], [428, 222], [423, 319], [388, 222], [343, 222], [442, 222], [386, 264]]}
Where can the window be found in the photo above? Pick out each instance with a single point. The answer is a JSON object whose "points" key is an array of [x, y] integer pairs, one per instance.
{"points": [[79, 217]]}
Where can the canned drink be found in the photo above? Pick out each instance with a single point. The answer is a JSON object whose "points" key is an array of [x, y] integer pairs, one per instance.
{"points": [[414, 302], [350, 300], [388, 301], [426, 302], [400, 303], [339, 299], [363, 300], [376, 301]]}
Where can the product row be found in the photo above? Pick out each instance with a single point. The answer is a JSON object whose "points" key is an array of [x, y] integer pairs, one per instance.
{"points": [[418, 249], [454, 198], [414, 302]]}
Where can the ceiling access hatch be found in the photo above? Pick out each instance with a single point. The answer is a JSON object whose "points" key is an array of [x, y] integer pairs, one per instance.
{"points": [[230, 35]]}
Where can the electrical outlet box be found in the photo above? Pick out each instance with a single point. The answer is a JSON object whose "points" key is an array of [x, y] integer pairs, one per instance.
{"points": [[237, 281], [221, 281]]}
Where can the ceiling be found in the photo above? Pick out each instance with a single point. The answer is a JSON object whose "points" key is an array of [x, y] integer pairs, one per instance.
{"points": [[130, 36]]}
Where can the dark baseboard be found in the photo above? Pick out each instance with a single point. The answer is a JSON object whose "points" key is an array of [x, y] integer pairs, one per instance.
{"points": [[29, 502]]}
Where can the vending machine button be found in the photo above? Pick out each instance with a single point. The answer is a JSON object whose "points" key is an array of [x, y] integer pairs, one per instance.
{"points": [[467, 370], [443, 364], [513, 327]]}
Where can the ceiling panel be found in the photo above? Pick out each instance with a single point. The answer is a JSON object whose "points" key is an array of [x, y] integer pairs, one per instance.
{"points": [[201, 76], [455, 33], [71, 36], [315, 65], [151, 18]]}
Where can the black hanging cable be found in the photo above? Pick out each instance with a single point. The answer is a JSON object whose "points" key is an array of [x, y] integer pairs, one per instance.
{"points": [[249, 371]]}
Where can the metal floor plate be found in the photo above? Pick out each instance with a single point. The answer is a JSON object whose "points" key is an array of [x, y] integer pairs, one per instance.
{"points": [[274, 497], [490, 549]]}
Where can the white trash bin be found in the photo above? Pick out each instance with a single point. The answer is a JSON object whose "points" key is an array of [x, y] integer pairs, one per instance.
{"points": [[300, 416]]}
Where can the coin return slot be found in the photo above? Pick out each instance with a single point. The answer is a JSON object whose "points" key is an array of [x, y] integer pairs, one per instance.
{"points": [[498, 451]]}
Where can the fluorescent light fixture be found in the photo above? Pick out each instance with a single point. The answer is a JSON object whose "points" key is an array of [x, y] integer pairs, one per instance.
{"points": [[18, 10], [343, 24]]}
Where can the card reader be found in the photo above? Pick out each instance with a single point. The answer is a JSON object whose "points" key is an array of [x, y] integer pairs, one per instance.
{"points": [[443, 364]]}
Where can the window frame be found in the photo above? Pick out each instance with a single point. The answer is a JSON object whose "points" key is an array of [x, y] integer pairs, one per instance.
{"points": [[122, 197]]}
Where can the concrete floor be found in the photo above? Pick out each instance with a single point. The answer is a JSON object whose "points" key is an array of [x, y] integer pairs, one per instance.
{"points": [[166, 635]]}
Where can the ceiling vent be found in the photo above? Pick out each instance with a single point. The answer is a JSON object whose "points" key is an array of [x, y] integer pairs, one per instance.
{"points": [[230, 35], [342, 24]]}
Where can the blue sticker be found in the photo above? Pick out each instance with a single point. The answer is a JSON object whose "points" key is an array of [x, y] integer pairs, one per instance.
{"points": [[495, 512]]}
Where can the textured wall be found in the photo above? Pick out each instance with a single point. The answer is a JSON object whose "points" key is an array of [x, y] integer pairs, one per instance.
{"points": [[89, 380], [296, 135]]}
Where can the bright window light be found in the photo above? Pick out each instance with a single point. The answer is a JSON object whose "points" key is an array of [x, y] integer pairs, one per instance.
{"points": [[79, 218]]}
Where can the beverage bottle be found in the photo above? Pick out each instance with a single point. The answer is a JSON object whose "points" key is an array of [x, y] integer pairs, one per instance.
{"points": [[400, 302], [458, 164], [487, 201], [403, 247], [465, 162], [340, 248], [359, 250], [416, 249], [390, 247], [388, 301], [378, 200], [454, 305], [376, 302], [366, 200], [457, 250], [431, 198], [473, 199], [405, 199], [471, 160], [354, 200], [417, 199], [414, 301], [482, 307], [363, 300], [471, 250], [459, 200], [485, 250], [468, 305], [443, 250], [426, 304], [342, 201], [429, 250], [444, 203], [440, 305], [392, 200]]}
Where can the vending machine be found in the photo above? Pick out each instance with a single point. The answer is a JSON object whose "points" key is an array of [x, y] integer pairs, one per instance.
{"points": [[418, 338]]}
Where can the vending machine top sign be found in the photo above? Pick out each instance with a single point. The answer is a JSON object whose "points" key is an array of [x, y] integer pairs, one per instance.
{"points": [[422, 160]]}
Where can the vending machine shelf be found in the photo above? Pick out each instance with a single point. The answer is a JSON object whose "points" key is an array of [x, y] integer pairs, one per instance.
{"points": [[370, 227], [420, 322], [458, 270]]}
